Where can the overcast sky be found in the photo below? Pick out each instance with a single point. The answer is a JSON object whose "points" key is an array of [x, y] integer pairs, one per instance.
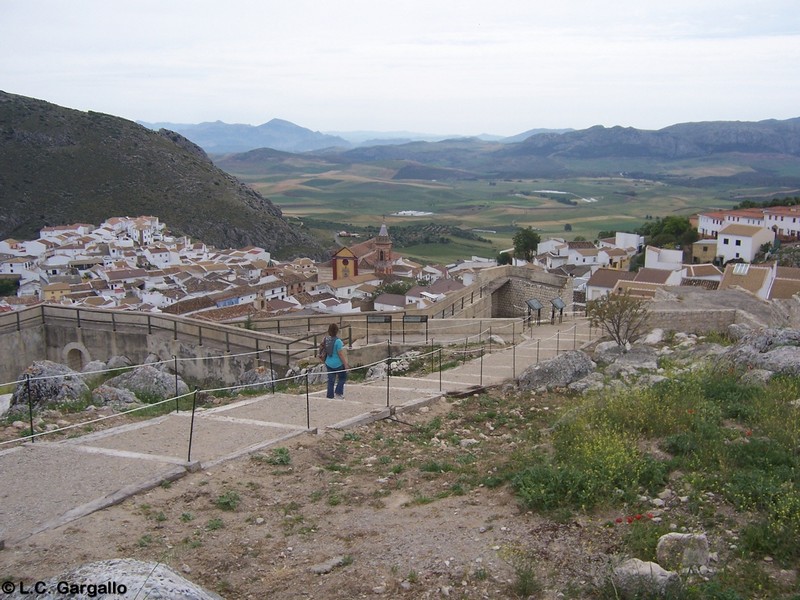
{"points": [[438, 66]]}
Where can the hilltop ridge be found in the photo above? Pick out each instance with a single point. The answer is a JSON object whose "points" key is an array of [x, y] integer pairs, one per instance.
{"points": [[59, 165]]}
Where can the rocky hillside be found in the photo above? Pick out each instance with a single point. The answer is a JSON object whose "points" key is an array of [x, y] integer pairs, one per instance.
{"points": [[59, 165]]}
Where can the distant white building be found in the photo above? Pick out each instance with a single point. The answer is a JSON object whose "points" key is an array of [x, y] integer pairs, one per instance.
{"points": [[742, 242], [662, 258], [783, 220], [390, 302]]}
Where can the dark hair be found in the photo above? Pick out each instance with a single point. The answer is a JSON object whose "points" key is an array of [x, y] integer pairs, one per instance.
{"points": [[333, 329]]}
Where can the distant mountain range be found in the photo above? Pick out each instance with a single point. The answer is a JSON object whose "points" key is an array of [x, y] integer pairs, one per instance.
{"points": [[533, 153], [221, 138], [277, 134], [59, 166], [761, 154]]}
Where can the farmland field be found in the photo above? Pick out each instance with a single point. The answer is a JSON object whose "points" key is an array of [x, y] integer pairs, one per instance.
{"points": [[356, 196]]}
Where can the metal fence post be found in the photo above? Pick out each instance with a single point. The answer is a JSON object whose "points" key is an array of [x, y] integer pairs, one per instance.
{"points": [[558, 341], [388, 376], [175, 368], [538, 342], [440, 369], [308, 406], [481, 379], [191, 426], [271, 371], [513, 361], [30, 403]]}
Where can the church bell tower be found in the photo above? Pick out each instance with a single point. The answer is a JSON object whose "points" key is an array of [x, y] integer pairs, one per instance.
{"points": [[383, 252]]}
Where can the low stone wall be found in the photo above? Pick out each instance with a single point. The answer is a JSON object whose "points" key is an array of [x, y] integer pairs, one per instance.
{"points": [[692, 321], [510, 300]]}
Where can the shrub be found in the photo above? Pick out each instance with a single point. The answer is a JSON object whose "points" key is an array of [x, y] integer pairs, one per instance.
{"points": [[228, 501], [621, 316]]}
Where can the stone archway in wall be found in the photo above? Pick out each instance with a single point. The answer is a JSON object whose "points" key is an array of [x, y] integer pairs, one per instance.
{"points": [[75, 356]]}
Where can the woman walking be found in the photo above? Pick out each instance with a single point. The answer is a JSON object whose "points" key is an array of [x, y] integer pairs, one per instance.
{"points": [[336, 362]]}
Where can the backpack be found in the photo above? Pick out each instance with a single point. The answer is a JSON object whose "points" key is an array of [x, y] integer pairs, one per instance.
{"points": [[326, 348]]}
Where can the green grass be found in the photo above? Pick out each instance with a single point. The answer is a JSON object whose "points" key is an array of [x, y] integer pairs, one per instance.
{"points": [[276, 457], [733, 439]]}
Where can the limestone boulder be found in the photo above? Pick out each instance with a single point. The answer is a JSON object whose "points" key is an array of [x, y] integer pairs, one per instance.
{"points": [[132, 578], [94, 367], [93, 371], [682, 550], [50, 383], [5, 403], [496, 340], [258, 379], [775, 350], [119, 362], [149, 383], [592, 382], [736, 331], [377, 371], [654, 338], [316, 374], [636, 578], [557, 372], [607, 352], [117, 398], [638, 356]]}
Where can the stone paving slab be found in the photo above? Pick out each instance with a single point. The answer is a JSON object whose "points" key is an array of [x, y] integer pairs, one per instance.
{"points": [[212, 437], [43, 480], [293, 410], [414, 385]]}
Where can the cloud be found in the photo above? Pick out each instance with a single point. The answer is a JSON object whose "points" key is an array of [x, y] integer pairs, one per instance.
{"points": [[467, 66]]}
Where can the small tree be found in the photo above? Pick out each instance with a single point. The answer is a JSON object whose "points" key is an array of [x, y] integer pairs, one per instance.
{"points": [[621, 316], [504, 258], [525, 243]]}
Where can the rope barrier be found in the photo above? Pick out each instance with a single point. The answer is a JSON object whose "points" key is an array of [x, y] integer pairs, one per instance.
{"points": [[420, 356], [150, 364], [97, 420]]}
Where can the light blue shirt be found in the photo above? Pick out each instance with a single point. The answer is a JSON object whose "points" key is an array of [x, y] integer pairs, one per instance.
{"points": [[333, 361]]}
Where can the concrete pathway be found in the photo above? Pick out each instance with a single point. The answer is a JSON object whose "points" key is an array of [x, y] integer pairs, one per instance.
{"points": [[47, 484]]}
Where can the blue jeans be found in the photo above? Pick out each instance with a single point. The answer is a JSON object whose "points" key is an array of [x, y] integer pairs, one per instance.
{"points": [[337, 376]]}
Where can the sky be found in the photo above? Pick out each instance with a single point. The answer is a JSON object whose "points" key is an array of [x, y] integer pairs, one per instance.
{"points": [[436, 66]]}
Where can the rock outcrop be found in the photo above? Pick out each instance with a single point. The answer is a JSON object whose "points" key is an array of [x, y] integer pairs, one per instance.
{"points": [[682, 551], [557, 372], [50, 383], [636, 578], [774, 350], [258, 379], [149, 383], [130, 579]]}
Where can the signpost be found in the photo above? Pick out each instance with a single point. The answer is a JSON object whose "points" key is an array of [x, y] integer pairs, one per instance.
{"points": [[558, 305], [415, 319], [379, 319], [535, 305]]}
